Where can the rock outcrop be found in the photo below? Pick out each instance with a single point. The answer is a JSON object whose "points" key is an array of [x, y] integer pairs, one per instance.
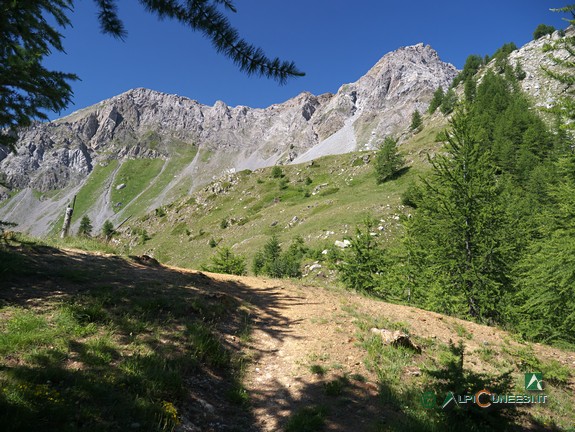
{"points": [[143, 123]]}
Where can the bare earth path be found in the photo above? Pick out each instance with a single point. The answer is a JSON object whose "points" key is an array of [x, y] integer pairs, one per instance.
{"points": [[298, 327], [303, 341]]}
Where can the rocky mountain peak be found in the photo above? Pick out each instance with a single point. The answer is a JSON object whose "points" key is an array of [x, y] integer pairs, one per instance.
{"points": [[143, 123], [419, 54]]}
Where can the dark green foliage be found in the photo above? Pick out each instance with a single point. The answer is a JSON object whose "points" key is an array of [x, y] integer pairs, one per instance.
{"points": [[108, 230], [29, 33], [436, 100], [224, 223], [520, 73], [388, 160], [472, 65], [470, 89], [27, 88], [277, 172], [363, 261], [449, 101], [411, 196], [308, 181], [271, 261], [504, 51], [142, 234], [547, 271], [416, 121], [85, 229], [225, 261], [457, 242], [518, 137], [205, 16], [501, 57], [212, 243], [542, 30]]}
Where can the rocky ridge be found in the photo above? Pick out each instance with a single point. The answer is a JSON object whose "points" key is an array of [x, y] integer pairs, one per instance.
{"points": [[142, 123]]}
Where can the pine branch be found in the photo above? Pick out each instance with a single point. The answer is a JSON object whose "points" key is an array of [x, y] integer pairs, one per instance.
{"points": [[203, 16], [108, 17]]}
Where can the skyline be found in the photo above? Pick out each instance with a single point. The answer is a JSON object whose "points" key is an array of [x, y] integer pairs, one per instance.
{"points": [[331, 42]]}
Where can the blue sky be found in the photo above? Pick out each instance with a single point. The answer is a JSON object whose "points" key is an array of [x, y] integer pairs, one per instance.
{"points": [[333, 41]]}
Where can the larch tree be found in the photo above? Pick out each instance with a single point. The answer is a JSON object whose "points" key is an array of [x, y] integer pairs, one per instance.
{"points": [[456, 239]]}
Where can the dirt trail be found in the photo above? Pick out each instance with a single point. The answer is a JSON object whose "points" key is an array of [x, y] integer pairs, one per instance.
{"points": [[297, 327], [305, 328], [303, 339]]}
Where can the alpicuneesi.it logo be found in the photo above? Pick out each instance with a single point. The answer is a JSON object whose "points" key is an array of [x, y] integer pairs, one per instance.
{"points": [[485, 398]]}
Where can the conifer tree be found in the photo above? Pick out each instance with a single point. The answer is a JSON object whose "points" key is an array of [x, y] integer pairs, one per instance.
{"points": [[436, 100], [108, 230], [456, 240], [27, 87], [225, 261], [364, 261], [416, 121], [472, 64], [388, 160], [448, 102], [542, 30], [470, 89], [85, 228], [564, 72], [547, 272]]}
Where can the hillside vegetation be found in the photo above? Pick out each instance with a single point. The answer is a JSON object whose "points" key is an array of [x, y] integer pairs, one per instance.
{"points": [[94, 342], [445, 259]]}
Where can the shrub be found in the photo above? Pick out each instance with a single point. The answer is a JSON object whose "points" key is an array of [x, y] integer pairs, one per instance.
{"points": [[542, 30], [272, 262], [277, 172], [225, 261]]}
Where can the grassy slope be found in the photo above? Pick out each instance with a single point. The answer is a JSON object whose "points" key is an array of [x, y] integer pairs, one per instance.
{"points": [[333, 195], [94, 342]]}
